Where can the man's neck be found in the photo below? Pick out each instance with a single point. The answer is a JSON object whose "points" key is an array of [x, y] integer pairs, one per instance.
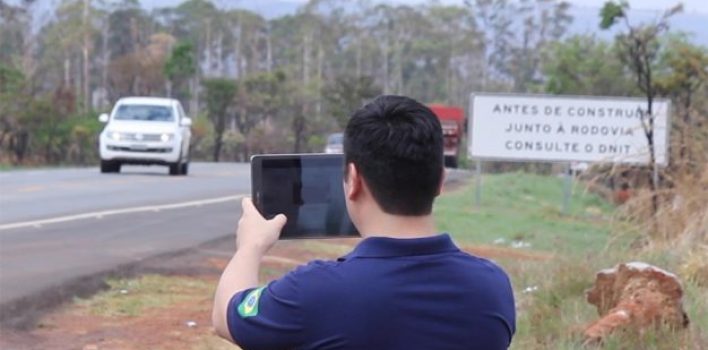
{"points": [[396, 226]]}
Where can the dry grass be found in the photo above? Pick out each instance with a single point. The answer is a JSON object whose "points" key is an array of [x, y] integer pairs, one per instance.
{"points": [[676, 239]]}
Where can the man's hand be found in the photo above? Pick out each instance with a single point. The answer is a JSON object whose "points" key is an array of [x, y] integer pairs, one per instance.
{"points": [[254, 232], [254, 236]]}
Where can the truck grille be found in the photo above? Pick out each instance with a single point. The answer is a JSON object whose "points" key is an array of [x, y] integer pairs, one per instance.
{"points": [[141, 150], [141, 137]]}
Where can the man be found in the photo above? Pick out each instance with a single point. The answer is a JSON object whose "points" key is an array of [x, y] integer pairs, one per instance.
{"points": [[403, 287]]}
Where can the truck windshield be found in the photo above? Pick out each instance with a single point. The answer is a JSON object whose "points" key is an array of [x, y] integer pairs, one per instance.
{"points": [[144, 113]]}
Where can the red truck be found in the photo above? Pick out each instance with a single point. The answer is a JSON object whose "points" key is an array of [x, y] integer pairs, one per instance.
{"points": [[452, 119]]}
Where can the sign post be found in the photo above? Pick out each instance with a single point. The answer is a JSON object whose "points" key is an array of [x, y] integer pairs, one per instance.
{"points": [[567, 189], [478, 184]]}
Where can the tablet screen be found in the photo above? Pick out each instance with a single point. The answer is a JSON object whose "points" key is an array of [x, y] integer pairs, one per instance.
{"points": [[308, 189]]}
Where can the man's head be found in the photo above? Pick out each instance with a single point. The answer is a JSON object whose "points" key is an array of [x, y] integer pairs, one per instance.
{"points": [[393, 149]]}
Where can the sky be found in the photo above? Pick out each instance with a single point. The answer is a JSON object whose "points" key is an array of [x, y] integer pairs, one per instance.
{"points": [[689, 6], [692, 20]]}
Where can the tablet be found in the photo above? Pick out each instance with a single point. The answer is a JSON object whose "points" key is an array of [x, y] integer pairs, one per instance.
{"points": [[307, 189]]}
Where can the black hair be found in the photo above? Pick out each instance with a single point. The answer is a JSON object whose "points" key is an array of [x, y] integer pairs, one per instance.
{"points": [[396, 144]]}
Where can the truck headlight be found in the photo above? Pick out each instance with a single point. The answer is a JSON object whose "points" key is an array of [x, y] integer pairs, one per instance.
{"points": [[115, 136], [166, 137]]}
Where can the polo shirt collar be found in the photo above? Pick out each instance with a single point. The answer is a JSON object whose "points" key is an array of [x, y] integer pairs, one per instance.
{"points": [[381, 247]]}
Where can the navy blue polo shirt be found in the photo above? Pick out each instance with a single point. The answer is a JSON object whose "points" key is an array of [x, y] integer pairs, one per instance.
{"points": [[421, 293]]}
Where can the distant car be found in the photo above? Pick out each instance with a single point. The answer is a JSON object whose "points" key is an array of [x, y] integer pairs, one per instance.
{"points": [[334, 143], [146, 131]]}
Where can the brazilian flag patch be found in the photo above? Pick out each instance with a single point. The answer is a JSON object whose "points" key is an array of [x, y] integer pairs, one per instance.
{"points": [[249, 305]]}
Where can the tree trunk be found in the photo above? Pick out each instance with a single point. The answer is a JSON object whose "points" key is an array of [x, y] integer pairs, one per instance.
{"points": [[385, 63], [87, 42], [320, 63], [269, 50], [299, 121], [168, 88], [654, 174], [78, 83], [193, 101], [218, 136], [219, 54], [358, 56], [399, 64], [104, 63], [237, 50], [299, 129], [207, 49], [67, 71]]}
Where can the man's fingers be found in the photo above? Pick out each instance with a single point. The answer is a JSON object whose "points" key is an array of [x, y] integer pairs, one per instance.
{"points": [[247, 205], [279, 221]]}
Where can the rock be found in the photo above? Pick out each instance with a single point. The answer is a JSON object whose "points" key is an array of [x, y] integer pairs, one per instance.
{"points": [[636, 295]]}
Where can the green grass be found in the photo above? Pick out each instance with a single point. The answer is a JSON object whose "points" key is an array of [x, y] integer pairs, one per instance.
{"points": [[524, 207], [5, 167], [8, 167], [132, 297], [515, 206]]}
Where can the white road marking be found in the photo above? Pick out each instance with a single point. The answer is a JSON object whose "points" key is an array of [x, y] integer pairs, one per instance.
{"points": [[104, 213]]}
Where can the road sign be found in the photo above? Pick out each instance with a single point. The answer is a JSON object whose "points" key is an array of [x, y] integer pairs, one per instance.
{"points": [[565, 128]]}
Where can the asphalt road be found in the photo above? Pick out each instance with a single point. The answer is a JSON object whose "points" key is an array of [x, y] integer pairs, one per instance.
{"points": [[58, 225]]}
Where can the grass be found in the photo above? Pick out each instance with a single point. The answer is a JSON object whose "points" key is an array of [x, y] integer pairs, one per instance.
{"points": [[515, 208], [518, 207], [525, 208], [132, 297], [6, 167], [9, 167]]}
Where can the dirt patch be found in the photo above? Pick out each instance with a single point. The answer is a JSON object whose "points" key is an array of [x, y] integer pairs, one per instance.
{"points": [[105, 322], [183, 322]]}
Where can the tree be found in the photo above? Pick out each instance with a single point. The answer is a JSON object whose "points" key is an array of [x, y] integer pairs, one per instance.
{"points": [[517, 56], [179, 68], [638, 48], [12, 101], [584, 65], [686, 75], [141, 72], [219, 94], [263, 98], [346, 94]]}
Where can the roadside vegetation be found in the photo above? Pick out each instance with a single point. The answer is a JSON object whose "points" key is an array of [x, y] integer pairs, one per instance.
{"points": [[254, 84], [552, 259], [523, 211]]}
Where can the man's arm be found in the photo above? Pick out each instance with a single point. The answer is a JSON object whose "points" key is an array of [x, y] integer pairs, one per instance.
{"points": [[254, 237]]}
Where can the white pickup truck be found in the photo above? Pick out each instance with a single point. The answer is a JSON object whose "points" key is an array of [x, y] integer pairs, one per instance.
{"points": [[147, 131]]}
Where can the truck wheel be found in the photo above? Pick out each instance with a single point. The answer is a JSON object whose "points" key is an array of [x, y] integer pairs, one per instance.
{"points": [[175, 169], [108, 166], [450, 162], [184, 168]]}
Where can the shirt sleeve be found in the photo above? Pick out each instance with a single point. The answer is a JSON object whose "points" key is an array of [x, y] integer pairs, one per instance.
{"points": [[269, 317]]}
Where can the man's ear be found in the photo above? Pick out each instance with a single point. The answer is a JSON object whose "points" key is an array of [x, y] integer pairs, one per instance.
{"points": [[353, 182], [442, 182]]}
